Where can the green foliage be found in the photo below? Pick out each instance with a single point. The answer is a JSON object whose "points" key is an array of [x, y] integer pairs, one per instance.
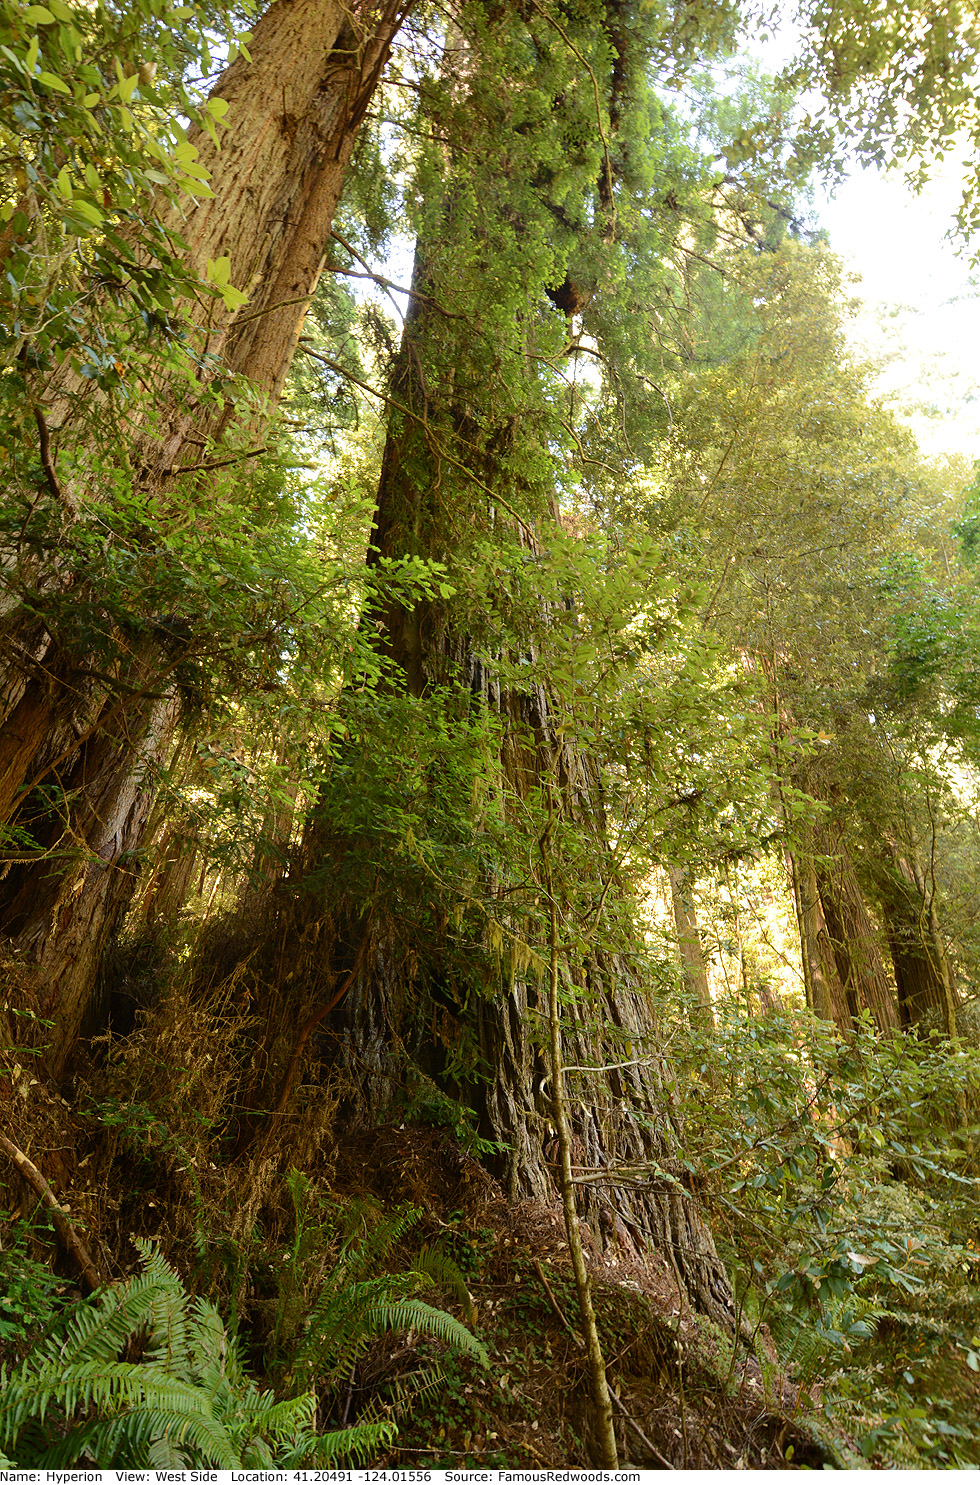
{"points": [[841, 1178], [329, 1312], [894, 87], [28, 1290], [723, 485], [188, 1403], [807, 1130], [94, 151]]}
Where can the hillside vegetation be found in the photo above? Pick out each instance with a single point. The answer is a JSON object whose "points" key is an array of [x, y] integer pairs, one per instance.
{"points": [[489, 747]]}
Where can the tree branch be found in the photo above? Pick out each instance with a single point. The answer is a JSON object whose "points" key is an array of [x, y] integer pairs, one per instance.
{"points": [[215, 463], [69, 1238], [47, 458]]}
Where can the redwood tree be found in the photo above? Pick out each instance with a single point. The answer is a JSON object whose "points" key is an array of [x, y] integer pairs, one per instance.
{"points": [[407, 953], [133, 444]]}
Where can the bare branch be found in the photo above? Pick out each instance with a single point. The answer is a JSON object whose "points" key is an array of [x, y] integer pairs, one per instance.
{"points": [[69, 1238]]}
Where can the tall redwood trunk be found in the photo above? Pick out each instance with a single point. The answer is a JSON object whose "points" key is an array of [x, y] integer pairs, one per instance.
{"points": [[922, 974], [294, 112], [384, 998], [819, 982]]}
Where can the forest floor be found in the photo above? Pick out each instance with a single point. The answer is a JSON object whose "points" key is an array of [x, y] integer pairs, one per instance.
{"points": [[684, 1402], [683, 1399]]}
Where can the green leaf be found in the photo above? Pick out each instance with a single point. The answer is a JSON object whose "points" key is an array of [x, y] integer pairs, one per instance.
{"points": [[51, 81], [88, 210], [127, 87], [233, 298], [219, 270], [38, 15]]}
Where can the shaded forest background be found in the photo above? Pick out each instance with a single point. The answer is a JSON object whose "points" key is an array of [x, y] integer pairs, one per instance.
{"points": [[488, 747]]}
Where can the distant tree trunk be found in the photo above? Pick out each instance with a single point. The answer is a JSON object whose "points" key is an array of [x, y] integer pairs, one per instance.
{"points": [[850, 931], [170, 883], [689, 942], [922, 973], [817, 992], [295, 110]]}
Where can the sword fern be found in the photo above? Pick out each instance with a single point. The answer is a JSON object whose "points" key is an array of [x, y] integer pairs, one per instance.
{"points": [[188, 1403]]}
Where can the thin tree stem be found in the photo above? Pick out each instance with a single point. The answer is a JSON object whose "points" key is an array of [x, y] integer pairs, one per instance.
{"points": [[68, 1237]]}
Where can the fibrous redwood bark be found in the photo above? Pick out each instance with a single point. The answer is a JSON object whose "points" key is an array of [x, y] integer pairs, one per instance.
{"points": [[828, 994], [850, 931], [295, 108], [922, 973], [58, 912], [421, 987]]}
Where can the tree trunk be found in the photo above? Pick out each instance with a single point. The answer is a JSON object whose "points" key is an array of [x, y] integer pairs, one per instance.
{"points": [[295, 110], [430, 1013], [170, 883], [830, 999], [689, 943], [601, 1401], [922, 975], [59, 914], [850, 931]]}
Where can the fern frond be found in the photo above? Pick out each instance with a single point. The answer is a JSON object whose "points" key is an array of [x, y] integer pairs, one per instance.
{"points": [[190, 1404], [211, 1352], [435, 1264], [403, 1314], [257, 1455], [165, 1454], [196, 1430], [101, 1326], [357, 1444], [340, 1325], [281, 1419], [167, 1312], [370, 1241]]}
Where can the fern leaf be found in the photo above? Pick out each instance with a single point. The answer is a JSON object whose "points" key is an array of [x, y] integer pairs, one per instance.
{"points": [[358, 1443], [280, 1419], [404, 1314], [163, 1453], [434, 1264], [167, 1315], [212, 1354]]}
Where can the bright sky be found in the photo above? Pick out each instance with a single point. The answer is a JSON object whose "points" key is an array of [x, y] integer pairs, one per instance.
{"points": [[922, 311], [922, 304]]}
